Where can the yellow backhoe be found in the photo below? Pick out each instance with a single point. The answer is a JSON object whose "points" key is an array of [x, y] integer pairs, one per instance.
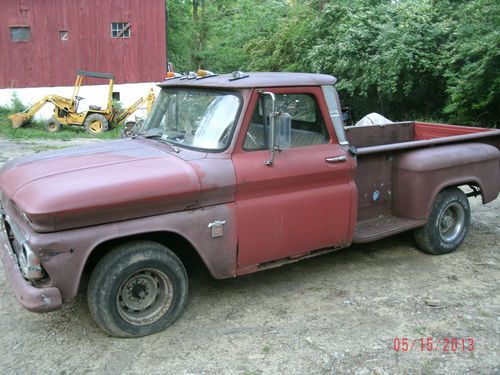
{"points": [[95, 120]]}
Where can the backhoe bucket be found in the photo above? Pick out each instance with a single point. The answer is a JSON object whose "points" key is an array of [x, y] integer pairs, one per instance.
{"points": [[18, 119]]}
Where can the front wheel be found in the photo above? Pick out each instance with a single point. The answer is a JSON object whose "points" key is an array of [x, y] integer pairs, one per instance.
{"points": [[448, 223], [53, 125], [137, 289]]}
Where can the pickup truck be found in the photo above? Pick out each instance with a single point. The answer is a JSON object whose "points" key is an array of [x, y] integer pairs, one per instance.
{"points": [[245, 171]]}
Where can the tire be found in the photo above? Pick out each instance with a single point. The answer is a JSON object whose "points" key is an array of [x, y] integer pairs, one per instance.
{"points": [[137, 289], [448, 223], [96, 123], [53, 125]]}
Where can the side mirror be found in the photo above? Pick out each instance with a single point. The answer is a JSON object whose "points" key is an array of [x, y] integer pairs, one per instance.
{"points": [[282, 131]]}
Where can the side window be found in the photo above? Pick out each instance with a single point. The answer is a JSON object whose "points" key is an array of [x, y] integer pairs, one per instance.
{"points": [[308, 127]]}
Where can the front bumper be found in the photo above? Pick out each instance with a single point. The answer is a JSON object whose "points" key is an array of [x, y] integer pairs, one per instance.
{"points": [[33, 299]]}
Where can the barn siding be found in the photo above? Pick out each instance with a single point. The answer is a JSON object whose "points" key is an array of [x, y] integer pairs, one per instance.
{"points": [[47, 61]]}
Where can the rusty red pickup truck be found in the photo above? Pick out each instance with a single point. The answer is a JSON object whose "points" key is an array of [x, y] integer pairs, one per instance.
{"points": [[246, 171]]}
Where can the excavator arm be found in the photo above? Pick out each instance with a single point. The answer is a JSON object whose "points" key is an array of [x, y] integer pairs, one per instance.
{"points": [[21, 118], [149, 99]]}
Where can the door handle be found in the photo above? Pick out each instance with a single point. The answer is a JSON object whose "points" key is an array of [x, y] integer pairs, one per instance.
{"points": [[335, 159]]}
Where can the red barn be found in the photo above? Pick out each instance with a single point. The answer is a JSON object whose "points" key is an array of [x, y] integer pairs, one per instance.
{"points": [[44, 42]]}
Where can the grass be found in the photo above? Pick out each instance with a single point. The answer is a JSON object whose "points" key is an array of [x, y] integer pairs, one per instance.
{"points": [[36, 130], [266, 349]]}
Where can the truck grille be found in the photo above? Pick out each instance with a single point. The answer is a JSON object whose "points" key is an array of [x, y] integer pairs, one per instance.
{"points": [[27, 261], [14, 244]]}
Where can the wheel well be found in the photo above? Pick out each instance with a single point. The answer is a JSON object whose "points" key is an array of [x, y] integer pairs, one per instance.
{"points": [[175, 242], [475, 188]]}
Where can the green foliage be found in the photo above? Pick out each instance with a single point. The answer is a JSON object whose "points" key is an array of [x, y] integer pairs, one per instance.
{"points": [[15, 106], [473, 75], [403, 58], [117, 106], [285, 48], [180, 33], [385, 56]]}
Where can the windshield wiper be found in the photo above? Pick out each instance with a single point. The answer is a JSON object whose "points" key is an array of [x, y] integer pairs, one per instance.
{"points": [[159, 136], [145, 135], [151, 135], [171, 145]]}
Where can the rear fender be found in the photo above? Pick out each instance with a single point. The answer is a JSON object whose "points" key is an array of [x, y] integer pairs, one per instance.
{"points": [[420, 175]]}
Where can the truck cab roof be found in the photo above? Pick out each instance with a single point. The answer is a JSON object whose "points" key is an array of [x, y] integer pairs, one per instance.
{"points": [[253, 80]]}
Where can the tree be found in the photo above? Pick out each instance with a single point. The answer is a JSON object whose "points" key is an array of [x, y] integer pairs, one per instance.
{"points": [[406, 59], [473, 75], [180, 34], [386, 56]]}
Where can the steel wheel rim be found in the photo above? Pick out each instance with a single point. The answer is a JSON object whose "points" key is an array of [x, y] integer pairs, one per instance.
{"points": [[144, 297], [52, 127], [451, 222], [96, 126]]}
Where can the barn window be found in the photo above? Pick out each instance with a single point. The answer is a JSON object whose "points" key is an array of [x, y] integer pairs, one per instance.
{"points": [[20, 33], [120, 30], [63, 35]]}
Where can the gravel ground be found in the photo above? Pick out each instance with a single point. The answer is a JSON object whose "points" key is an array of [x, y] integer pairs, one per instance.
{"points": [[334, 314]]}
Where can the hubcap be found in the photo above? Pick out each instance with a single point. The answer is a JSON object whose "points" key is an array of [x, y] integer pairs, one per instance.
{"points": [[52, 127], [451, 222], [144, 297], [96, 126]]}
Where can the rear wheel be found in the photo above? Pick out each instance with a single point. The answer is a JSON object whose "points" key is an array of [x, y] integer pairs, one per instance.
{"points": [[137, 289], [96, 123], [53, 125], [448, 223]]}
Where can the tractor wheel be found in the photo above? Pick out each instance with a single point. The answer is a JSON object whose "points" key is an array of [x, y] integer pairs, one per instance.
{"points": [[96, 123], [53, 125]]}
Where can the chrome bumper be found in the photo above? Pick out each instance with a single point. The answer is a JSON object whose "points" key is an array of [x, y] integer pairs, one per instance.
{"points": [[33, 299]]}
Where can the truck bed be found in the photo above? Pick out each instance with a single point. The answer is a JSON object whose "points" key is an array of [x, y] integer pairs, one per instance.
{"points": [[370, 138], [380, 187]]}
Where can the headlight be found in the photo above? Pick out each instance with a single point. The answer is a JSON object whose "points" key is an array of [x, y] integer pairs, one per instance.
{"points": [[29, 263], [2, 211], [26, 217]]}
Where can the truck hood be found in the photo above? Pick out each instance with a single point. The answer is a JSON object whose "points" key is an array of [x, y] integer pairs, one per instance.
{"points": [[101, 183]]}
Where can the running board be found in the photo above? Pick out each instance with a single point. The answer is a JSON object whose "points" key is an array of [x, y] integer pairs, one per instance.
{"points": [[383, 226]]}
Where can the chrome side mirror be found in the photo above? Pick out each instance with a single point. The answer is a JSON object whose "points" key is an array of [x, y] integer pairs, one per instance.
{"points": [[272, 117], [283, 131], [280, 129], [280, 134]]}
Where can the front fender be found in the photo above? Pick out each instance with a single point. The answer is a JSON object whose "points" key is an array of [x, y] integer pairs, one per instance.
{"points": [[64, 254]]}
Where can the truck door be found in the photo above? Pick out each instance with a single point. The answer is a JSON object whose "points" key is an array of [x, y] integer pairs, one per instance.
{"points": [[304, 200]]}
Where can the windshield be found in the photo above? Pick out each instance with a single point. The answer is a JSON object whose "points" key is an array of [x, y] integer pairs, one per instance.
{"points": [[193, 118]]}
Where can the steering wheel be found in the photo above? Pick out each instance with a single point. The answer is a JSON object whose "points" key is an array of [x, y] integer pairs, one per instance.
{"points": [[254, 144], [224, 137]]}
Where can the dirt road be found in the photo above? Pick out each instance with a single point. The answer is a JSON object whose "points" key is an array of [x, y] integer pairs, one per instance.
{"points": [[334, 314]]}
